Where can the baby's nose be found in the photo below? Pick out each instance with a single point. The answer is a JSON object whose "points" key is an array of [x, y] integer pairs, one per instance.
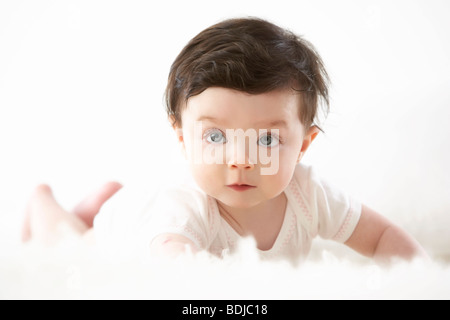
{"points": [[240, 160], [241, 153], [236, 165]]}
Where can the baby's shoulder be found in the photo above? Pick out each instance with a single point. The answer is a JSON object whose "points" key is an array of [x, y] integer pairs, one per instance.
{"points": [[181, 200], [306, 178], [181, 193], [184, 210], [310, 183]]}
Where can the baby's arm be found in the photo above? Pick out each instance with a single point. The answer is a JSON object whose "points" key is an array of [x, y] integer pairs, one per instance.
{"points": [[377, 237], [171, 245]]}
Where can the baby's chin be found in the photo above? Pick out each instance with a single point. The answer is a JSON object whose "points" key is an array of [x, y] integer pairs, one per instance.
{"points": [[238, 201], [238, 204]]}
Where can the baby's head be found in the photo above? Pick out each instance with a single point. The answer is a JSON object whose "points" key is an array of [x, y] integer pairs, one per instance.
{"points": [[252, 56], [250, 79]]}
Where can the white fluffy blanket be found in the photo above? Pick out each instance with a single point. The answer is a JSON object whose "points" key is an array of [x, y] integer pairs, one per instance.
{"points": [[74, 271]]}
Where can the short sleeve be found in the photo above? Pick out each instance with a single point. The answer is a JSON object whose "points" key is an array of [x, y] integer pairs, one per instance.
{"points": [[181, 210], [334, 213]]}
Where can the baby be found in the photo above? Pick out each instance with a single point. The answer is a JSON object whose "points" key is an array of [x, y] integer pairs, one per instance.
{"points": [[243, 97]]}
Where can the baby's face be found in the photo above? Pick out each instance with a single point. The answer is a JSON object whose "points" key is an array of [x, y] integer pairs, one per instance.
{"points": [[231, 138]]}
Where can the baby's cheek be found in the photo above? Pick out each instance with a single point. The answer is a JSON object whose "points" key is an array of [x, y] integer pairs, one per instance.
{"points": [[206, 176], [275, 184], [280, 181]]}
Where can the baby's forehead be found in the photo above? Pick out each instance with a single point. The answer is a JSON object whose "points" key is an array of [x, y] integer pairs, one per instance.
{"points": [[228, 103]]}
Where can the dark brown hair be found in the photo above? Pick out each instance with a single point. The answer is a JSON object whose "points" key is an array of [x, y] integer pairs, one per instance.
{"points": [[249, 55]]}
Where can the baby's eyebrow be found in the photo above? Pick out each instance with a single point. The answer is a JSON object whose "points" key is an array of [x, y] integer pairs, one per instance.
{"points": [[208, 118], [272, 123], [264, 123]]}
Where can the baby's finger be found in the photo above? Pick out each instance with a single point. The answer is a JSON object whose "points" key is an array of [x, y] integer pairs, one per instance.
{"points": [[90, 206]]}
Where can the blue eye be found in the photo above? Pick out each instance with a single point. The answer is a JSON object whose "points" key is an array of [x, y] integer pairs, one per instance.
{"points": [[215, 136], [269, 140]]}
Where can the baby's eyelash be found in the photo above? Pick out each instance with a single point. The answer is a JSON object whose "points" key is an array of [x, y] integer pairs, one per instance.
{"points": [[208, 133], [280, 140]]}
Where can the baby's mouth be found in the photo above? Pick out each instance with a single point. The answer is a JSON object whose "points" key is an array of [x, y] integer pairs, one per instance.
{"points": [[240, 187]]}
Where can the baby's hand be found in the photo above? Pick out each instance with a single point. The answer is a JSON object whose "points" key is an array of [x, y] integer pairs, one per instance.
{"points": [[87, 209], [44, 215]]}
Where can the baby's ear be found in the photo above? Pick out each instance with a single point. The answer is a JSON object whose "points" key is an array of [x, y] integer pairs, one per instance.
{"points": [[175, 126], [179, 133], [309, 137]]}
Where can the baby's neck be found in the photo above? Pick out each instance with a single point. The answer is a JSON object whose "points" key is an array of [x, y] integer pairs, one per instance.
{"points": [[262, 221]]}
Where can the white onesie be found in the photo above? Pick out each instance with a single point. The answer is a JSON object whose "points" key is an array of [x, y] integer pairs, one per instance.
{"points": [[314, 207]]}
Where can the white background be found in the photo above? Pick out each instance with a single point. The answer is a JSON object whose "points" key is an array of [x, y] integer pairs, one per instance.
{"points": [[82, 82]]}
